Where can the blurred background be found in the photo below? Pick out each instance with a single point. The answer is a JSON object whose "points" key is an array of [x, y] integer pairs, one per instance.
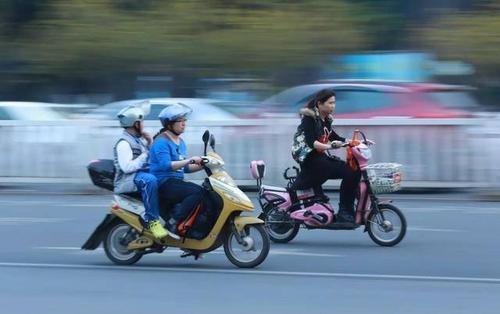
{"points": [[421, 78]]}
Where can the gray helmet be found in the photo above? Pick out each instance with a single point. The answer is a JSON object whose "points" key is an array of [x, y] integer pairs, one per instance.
{"points": [[131, 114]]}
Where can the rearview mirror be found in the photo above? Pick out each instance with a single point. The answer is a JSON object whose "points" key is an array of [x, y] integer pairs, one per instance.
{"points": [[212, 141], [206, 137]]}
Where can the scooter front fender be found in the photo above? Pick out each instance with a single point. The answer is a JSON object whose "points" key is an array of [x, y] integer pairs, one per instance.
{"points": [[241, 221], [384, 202]]}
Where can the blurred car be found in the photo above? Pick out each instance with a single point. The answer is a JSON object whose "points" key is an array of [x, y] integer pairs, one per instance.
{"points": [[203, 109], [34, 129], [370, 99], [29, 111]]}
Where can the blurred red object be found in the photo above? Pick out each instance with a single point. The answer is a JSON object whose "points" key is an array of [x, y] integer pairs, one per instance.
{"points": [[358, 99]]}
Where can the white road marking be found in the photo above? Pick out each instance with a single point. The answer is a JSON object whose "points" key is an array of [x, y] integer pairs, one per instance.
{"points": [[24, 202], [28, 220], [107, 206], [433, 229], [6, 191], [175, 251], [483, 211], [255, 272], [284, 252], [466, 210], [55, 203], [61, 248]]}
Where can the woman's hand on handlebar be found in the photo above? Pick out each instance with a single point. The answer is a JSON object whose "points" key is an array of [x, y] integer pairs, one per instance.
{"points": [[337, 144], [196, 160]]}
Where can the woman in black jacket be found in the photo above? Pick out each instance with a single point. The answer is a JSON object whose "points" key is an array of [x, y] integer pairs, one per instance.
{"points": [[318, 167]]}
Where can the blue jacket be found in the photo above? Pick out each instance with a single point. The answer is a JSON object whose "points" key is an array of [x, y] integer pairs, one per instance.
{"points": [[163, 152]]}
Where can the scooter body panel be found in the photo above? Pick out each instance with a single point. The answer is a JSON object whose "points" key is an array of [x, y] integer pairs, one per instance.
{"points": [[316, 215], [364, 204], [280, 198]]}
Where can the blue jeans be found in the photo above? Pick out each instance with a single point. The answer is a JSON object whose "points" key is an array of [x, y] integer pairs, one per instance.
{"points": [[148, 186], [185, 194]]}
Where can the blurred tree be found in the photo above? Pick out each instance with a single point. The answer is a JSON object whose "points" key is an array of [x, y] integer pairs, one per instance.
{"points": [[14, 13], [472, 36], [78, 39]]}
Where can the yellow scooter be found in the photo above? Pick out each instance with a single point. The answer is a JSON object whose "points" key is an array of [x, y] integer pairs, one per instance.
{"points": [[126, 240]]}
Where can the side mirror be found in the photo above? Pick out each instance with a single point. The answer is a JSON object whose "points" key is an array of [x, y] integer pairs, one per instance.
{"points": [[212, 141], [205, 138]]}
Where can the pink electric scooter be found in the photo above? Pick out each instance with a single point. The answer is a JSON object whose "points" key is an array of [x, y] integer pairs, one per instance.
{"points": [[285, 210]]}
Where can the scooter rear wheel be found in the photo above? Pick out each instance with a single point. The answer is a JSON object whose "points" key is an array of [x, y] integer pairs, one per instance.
{"points": [[115, 245], [280, 227], [252, 251], [389, 230]]}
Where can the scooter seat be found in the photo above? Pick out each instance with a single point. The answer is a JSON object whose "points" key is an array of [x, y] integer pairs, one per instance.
{"points": [[134, 195], [273, 188]]}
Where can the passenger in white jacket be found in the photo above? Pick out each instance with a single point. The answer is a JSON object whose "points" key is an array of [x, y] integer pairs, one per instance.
{"points": [[132, 172]]}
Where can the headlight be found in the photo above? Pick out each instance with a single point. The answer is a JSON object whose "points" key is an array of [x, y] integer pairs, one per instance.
{"points": [[397, 177], [232, 198], [215, 159], [224, 178], [366, 153]]}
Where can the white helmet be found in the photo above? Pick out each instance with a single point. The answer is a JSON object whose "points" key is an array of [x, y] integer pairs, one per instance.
{"points": [[131, 114]]}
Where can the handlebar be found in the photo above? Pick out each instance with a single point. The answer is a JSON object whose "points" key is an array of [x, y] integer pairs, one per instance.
{"points": [[204, 161]]}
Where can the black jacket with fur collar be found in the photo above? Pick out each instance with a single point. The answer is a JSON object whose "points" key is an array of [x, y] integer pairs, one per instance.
{"points": [[314, 128]]}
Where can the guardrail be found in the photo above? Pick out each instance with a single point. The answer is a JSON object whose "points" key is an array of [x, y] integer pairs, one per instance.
{"points": [[434, 152]]}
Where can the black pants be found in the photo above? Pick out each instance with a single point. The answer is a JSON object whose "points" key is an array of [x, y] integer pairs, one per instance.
{"points": [[186, 194], [317, 169]]}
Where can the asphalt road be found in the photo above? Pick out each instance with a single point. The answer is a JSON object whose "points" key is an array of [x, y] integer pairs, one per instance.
{"points": [[447, 263]]}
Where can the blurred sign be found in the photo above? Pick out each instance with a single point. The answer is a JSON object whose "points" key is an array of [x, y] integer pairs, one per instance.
{"points": [[408, 66], [451, 68], [394, 66]]}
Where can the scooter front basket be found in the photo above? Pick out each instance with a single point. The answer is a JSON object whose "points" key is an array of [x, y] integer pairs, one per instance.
{"points": [[385, 177]]}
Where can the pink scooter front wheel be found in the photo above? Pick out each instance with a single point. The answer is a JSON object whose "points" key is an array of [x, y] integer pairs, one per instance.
{"points": [[387, 226]]}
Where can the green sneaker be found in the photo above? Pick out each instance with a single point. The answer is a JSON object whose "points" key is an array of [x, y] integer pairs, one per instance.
{"points": [[157, 229]]}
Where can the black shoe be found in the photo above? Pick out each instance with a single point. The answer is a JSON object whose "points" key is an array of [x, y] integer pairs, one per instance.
{"points": [[171, 226], [345, 217], [345, 214]]}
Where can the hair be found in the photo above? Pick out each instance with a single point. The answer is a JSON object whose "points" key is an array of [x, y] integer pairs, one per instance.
{"points": [[321, 96], [163, 129]]}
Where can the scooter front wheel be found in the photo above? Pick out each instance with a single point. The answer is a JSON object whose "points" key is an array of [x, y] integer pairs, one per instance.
{"points": [[116, 242], [387, 227], [249, 248]]}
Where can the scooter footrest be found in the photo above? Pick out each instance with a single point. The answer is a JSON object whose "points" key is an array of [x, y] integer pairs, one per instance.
{"points": [[342, 226]]}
